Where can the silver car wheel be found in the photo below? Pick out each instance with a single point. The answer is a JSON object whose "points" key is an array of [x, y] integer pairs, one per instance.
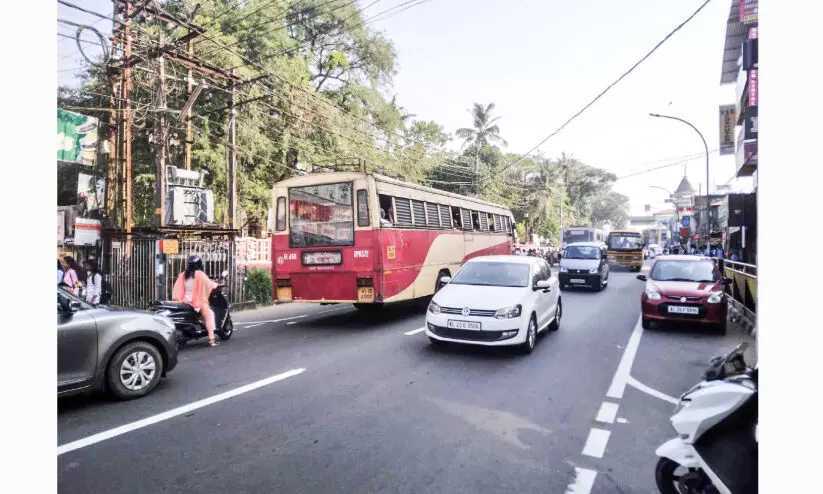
{"points": [[532, 335], [137, 370]]}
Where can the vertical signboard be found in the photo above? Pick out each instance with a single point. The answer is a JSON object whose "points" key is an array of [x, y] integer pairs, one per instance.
{"points": [[753, 87], [727, 121]]}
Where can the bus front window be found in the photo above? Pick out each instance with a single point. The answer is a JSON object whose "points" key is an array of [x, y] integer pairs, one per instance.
{"points": [[625, 242], [321, 215]]}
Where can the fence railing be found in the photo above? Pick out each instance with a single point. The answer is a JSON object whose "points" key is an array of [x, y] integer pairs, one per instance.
{"points": [[130, 265], [742, 291]]}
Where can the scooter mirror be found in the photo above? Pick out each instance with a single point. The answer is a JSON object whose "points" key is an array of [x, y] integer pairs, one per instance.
{"points": [[224, 274]]}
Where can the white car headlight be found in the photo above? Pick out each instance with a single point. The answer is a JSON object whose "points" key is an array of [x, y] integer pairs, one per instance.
{"points": [[434, 308], [594, 270], [564, 269], [652, 295], [509, 312], [715, 298]]}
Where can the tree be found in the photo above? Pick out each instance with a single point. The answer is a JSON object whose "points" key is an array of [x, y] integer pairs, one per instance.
{"points": [[611, 208], [483, 132]]}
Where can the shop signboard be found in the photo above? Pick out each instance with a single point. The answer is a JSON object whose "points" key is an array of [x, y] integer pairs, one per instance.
{"points": [[86, 231], [753, 87], [748, 11]]}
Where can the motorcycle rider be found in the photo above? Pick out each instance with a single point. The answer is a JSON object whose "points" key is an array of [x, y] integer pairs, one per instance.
{"points": [[193, 287]]}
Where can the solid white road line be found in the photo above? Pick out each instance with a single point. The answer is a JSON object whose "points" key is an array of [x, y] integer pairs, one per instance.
{"points": [[253, 324], [583, 481], [657, 394], [621, 376], [607, 412], [123, 429], [596, 443], [415, 331]]}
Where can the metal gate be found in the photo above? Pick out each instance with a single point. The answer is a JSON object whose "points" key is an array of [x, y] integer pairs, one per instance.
{"points": [[130, 265]]}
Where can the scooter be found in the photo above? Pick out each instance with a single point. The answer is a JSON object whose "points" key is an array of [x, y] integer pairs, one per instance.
{"points": [[189, 324], [715, 450]]}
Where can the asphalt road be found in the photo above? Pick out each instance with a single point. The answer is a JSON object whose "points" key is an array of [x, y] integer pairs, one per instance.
{"points": [[369, 408]]}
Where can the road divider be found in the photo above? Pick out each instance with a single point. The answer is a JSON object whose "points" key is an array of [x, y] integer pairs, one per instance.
{"points": [[123, 429]]}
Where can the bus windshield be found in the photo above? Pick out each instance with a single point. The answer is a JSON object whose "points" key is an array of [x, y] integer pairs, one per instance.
{"points": [[625, 241], [321, 215]]}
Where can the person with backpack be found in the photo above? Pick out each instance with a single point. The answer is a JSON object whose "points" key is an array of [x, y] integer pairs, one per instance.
{"points": [[94, 282]]}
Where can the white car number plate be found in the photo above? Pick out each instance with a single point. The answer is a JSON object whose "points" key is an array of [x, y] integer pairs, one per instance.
{"points": [[463, 325], [683, 310], [577, 280]]}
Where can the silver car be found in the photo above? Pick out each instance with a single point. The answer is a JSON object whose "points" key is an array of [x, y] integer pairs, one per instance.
{"points": [[125, 352]]}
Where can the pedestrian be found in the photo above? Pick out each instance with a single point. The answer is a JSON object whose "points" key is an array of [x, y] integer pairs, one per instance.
{"points": [[60, 272], [71, 280], [194, 287], [94, 282]]}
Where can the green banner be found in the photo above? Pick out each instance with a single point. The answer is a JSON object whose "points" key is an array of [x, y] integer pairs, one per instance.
{"points": [[76, 138]]}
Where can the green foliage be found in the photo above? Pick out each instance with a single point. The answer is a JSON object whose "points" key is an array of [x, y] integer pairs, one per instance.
{"points": [[259, 286]]}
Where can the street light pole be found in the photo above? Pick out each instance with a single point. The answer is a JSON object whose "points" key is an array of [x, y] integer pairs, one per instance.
{"points": [[706, 147], [676, 212]]}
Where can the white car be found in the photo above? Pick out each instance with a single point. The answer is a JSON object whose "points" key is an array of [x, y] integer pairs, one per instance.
{"points": [[496, 301]]}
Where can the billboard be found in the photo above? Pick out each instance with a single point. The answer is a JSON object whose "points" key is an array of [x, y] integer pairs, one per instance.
{"points": [[728, 118], [76, 138]]}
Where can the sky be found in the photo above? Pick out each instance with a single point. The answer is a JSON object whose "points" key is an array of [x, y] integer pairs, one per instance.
{"points": [[540, 61]]}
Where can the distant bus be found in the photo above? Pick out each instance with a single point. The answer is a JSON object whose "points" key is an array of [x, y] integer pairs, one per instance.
{"points": [[625, 248], [582, 234], [367, 239]]}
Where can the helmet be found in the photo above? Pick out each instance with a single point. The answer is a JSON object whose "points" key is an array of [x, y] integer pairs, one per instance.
{"points": [[194, 264]]}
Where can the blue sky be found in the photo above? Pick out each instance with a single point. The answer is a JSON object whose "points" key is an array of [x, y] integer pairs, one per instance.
{"points": [[540, 61]]}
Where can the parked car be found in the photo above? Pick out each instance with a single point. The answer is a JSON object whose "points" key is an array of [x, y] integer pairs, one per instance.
{"points": [[496, 301], [684, 288], [125, 352], [586, 264]]}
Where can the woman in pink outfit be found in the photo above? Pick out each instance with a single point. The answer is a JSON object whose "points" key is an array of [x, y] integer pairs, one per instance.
{"points": [[193, 287]]}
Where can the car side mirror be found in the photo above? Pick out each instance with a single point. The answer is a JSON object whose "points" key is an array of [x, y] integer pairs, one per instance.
{"points": [[542, 285], [727, 281], [445, 279], [74, 306], [641, 277]]}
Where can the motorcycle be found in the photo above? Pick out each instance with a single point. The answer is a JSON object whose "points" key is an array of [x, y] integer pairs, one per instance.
{"points": [[715, 450], [189, 324]]}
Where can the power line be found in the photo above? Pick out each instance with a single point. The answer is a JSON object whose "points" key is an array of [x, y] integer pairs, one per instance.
{"points": [[592, 102]]}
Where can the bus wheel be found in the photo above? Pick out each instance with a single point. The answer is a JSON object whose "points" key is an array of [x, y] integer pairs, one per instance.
{"points": [[369, 307]]}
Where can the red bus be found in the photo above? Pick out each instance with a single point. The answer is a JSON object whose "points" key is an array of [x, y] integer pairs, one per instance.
{"points": [[367, 239]]}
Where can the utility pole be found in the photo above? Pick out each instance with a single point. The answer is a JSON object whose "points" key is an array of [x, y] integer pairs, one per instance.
{"points": [[114, 122], [160, 143], [189, 88], [232, 156], [127, 117]]}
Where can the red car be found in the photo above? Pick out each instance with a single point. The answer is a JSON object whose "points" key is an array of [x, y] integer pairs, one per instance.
{"points": [[684, 288]]}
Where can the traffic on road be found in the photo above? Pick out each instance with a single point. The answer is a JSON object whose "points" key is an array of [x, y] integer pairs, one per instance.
{"points": [[368, 397]]}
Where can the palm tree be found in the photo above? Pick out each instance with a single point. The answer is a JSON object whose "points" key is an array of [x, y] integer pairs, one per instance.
{"points": [[483, 132]]}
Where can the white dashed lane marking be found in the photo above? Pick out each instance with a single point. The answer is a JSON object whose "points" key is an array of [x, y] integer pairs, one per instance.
{"points": [[607, 412], [596, 443]]}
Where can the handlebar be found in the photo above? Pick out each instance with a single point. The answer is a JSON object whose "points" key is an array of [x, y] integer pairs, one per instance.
{"points": [[719, 365]]}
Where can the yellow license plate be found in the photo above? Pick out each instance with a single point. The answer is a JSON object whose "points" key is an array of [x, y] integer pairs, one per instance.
{"points": [[365, 294]]}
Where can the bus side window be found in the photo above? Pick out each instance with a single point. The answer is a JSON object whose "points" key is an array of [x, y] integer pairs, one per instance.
{"points": [[445, 216], [281, 214], [362, 208], [386, 213], [456, 221], [491, 218], [475, 220]]}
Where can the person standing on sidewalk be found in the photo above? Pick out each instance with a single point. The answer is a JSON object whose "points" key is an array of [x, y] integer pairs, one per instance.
{"points": [[193, 287], [94, 282], [70, 278], [60, 272]]}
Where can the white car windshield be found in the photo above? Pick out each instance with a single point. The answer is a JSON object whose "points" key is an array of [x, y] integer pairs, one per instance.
{"points": [[493, 274], [695, 271]]}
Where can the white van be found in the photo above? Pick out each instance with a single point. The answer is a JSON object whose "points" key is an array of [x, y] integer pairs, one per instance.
{"points": [[584, 264]]}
